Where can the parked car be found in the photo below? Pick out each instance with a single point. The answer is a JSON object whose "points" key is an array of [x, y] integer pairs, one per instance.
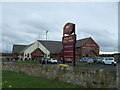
{"points": [[98, 59], [109, 61], [90, 60], [52, 61], [44, 60], [84, 59]]}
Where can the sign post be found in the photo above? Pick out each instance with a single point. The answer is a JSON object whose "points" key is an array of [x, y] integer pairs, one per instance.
{"points": [[69, 40]]}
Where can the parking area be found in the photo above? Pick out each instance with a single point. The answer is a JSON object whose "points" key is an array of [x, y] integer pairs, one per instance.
{"points": [[118, 68], [86, 65], [97, 66]]}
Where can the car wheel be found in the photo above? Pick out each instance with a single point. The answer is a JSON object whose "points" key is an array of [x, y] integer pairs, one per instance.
{"points": [[113, 63], [104, 63]]}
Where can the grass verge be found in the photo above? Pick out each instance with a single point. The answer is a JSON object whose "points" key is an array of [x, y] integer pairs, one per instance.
{"points": [[30, 62], [16, 80]]}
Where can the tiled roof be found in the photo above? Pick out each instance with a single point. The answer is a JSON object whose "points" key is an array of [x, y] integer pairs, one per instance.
{"points": [[25, 48], [18, 48], [81, 42], [52, 46]]}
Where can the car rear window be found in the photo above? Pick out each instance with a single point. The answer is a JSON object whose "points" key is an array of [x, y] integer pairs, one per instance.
{"points": [[109, 59]]}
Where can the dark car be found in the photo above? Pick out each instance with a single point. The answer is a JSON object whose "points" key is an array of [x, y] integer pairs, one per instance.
{"points": [[45, 61]]}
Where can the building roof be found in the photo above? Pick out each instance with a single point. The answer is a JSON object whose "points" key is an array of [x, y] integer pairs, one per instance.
{"points": [[27, 46], [81, 42], [52, 46], [18, 48]]}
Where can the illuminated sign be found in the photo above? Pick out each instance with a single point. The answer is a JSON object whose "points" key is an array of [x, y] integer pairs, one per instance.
{"points": [[69, 28], [69, 39]]}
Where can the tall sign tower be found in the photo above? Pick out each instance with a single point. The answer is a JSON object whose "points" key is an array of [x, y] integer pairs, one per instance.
{"points": [[68, 41]]}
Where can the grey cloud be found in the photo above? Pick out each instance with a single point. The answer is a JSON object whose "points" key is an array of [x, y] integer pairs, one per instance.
{"points": [[106, 39]]}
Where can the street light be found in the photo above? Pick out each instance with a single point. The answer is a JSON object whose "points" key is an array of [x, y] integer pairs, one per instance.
{"points": [[46, 43]]}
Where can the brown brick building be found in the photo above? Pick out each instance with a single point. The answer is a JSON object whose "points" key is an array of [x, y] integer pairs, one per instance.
{"points": [[83, 48]]}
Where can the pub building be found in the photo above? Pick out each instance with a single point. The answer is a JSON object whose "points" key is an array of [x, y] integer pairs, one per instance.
{"points": [[68, 49], [86, 47]]}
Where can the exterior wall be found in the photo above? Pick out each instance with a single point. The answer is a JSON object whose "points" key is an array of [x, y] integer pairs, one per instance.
{"points": [[77, 56], [89, 48], [87, 77], [15, 55], [117, 57], [6, 55], [34, 47], [58, 56], [21, 56], [37, 54]]}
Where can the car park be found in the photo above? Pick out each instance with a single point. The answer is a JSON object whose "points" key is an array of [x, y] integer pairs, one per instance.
{"points": [[109, 60]]}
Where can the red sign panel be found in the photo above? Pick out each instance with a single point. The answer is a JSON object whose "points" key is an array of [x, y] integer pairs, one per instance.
{"points": [[68, 51], [68, 46], [68, 28], [68, 59], [68, 39]]}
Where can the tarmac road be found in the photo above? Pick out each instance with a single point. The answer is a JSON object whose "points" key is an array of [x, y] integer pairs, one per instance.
{"points": [[118, 70], [92, 65]]}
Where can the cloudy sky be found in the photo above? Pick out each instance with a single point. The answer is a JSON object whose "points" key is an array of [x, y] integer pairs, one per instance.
{"points": [[26, 22]]}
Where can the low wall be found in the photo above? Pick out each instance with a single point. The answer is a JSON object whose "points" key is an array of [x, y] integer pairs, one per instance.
{"points": [[92, 78]]}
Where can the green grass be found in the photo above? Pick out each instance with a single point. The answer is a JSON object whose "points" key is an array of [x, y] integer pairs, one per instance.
{"points": [[31, 62], [17, 80]]}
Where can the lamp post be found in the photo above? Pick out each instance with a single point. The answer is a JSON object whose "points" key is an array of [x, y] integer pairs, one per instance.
{"points": [[46, 43]]}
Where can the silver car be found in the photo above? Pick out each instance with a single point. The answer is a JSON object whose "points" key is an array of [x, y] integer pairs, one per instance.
{"points": [[90, 60]]}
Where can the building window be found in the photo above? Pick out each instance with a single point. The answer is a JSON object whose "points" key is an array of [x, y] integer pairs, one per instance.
{"points": [[83, 55], [84, 48]]}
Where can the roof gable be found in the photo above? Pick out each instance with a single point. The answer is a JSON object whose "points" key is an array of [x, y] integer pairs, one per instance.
{"points": [[52, 46]]}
